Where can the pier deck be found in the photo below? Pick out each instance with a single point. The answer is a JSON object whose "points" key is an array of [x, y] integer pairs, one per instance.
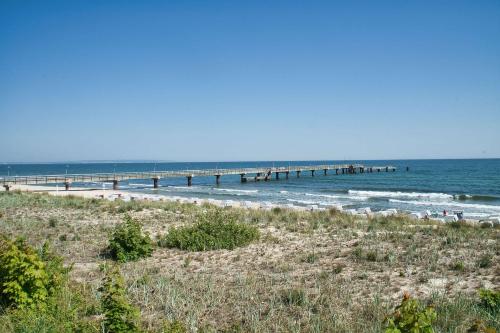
{"points": [[261, 173]]}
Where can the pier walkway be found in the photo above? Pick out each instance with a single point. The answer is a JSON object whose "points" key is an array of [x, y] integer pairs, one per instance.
{"points": [[256, 174]]}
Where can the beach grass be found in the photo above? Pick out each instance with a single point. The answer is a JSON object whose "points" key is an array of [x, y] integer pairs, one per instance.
{"points": [[321, 271]]}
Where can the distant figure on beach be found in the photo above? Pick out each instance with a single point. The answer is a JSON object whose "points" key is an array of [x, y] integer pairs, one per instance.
{"points": [[445, 212]]}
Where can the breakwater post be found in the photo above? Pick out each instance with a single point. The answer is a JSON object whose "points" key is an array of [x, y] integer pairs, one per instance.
{"points": [[155, 181]]}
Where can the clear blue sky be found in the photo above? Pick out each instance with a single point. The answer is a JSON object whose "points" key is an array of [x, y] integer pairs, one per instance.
{"points": [[255, 80]]}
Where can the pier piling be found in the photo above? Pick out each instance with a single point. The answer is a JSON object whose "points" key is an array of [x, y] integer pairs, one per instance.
{"points": [[155, 182], [260, 172]]}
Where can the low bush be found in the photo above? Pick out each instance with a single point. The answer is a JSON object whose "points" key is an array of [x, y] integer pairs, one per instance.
{"points": [[294, 297], [173, 327], [216, 229], [119, 315], [411, 317], [128, 243], [24, 281], [490, 299], [484, 261], [457, 266]]}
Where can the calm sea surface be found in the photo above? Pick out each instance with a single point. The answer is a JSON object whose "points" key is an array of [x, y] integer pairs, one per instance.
{"points": [[469, 185]]}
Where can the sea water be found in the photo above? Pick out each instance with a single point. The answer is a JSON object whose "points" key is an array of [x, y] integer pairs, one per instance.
{"points": [[472, 185]]}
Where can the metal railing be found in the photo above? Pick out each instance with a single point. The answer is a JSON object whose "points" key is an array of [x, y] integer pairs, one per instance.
{"points": [[117, 176]]}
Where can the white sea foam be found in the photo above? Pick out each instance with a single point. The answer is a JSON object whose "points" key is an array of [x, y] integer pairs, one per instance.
{"points": [[183, 187], [451, 204], [230, 190], [322, 195], [388, 194], [283, 192], [311, 202], [331, 196]]}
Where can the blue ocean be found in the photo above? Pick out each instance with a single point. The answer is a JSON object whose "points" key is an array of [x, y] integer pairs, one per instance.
{"points": [[469, 185]]}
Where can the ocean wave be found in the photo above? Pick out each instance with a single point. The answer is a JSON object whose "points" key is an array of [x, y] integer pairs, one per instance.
{"points": [[230, 190], [464, 197], [184, 187], [322, 195], [449, 204], [311, 202], [387, 194]]}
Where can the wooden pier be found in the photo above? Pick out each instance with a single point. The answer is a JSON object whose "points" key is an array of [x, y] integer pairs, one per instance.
{"points": [[246, 174]]}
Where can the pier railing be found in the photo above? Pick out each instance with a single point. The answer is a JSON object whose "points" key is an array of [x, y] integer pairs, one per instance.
{"points": [[120, 176]]}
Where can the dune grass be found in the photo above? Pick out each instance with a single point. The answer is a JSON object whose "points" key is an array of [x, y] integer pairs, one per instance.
{"points": [[307, 272]]}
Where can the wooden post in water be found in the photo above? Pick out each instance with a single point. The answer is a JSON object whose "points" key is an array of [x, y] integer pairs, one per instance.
{"points": [[298, 173], [190, 180], [312, 173], [217, 179], [115, 184], [155, 181], [277, 175], [242, 178], [325, 170], [286, 175]]}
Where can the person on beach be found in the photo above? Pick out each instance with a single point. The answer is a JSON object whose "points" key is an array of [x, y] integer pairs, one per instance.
{"points": [[445, 212]]}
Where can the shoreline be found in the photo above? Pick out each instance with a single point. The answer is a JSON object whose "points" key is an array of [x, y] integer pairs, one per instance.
{"points": [[111, 195]]}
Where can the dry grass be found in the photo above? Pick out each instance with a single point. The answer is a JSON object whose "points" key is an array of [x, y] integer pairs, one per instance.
{"points": [[310, 271]]}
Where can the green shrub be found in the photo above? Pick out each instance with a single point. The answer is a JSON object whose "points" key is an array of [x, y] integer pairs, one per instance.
{"points": [[311, 258], [458, 266], [58, 274], [119, 315], [173, 327], [411, 317], [371, 256], [52, 222], [490, 299], [215, 229], [294, 297], [484, 261], [128, 243], [24, 281], [66, 311]]}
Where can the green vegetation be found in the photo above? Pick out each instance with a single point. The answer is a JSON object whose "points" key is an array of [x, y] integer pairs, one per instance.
{"points": [[411, 317], [119, 315], [490, 300], [24, 281], [216, 229], [128, 242], [311, 272]]}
